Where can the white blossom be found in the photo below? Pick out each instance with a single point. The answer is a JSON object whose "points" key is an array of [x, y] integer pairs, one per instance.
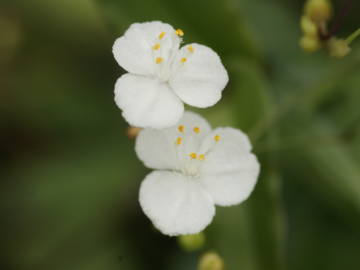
{"points": [[195, 169], [162, 76]]}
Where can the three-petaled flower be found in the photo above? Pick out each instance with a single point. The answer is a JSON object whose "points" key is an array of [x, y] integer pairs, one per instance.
{"points": [[195, 169], [162, 75]]}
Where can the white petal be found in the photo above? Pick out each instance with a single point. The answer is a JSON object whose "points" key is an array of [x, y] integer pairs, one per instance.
{"points": [[229, 138], [199, 80], [230, 171], [191, 120], [157, 147], [133, 51], [176, 205], [147, 102]]}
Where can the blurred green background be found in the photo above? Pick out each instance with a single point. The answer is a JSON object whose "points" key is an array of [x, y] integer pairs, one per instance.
{"points": [[69, 177]]}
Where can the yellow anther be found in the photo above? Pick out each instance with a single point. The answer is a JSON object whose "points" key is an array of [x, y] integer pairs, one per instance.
{"points": [[178, 140], [179, 32], [158, 60], [181, 128], [183, 60], [217, 138], [193, 155], [190, 48], [162, 34], [156, 46], [201, 157], [196, 129]]}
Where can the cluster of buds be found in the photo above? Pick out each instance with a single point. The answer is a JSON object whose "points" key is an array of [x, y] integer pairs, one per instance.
{"points": [[209, 260], [314, 25]]}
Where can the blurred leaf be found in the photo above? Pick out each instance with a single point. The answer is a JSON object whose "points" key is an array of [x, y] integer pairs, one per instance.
{"points": [[329, 169], [70, 203], [251, 99], [251, 236]]}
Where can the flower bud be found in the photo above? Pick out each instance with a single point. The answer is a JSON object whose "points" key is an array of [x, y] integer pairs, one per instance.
{"points": [[192, 242], [308, 26], [211, 261], [310, 43], [132, 132], [338, 47], [318, 10]]}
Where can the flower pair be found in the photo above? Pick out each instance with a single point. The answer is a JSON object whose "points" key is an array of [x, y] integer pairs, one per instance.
{"points": [[195, 168]]}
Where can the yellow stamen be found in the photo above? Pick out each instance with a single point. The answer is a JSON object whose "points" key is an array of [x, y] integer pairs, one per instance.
{"points": [[178, 140], [159, 60], [179, 32], [201, 157], [217, 138], [162, 34], [196, 129], [181, 128], [183, 60], [156, 46], [190, 48], [193, 155]]}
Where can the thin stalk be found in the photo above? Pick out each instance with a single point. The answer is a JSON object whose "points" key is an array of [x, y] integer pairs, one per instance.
{"points": [[353, 36]]}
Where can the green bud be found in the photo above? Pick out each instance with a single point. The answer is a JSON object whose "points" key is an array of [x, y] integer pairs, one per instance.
{"points": [[310, 43], [308, 26], [211, 261], [338, 47], [318, 10], [192, 242]]}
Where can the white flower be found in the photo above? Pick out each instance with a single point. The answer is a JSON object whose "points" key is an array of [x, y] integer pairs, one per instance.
{"points": [[195, 168], [162, 75]]}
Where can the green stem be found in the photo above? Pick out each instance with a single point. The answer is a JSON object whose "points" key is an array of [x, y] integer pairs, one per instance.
{"points": [[353, 36]]}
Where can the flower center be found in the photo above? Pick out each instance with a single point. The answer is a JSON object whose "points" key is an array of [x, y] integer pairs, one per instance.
{"points": [[187, 146], [165, 54]]}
